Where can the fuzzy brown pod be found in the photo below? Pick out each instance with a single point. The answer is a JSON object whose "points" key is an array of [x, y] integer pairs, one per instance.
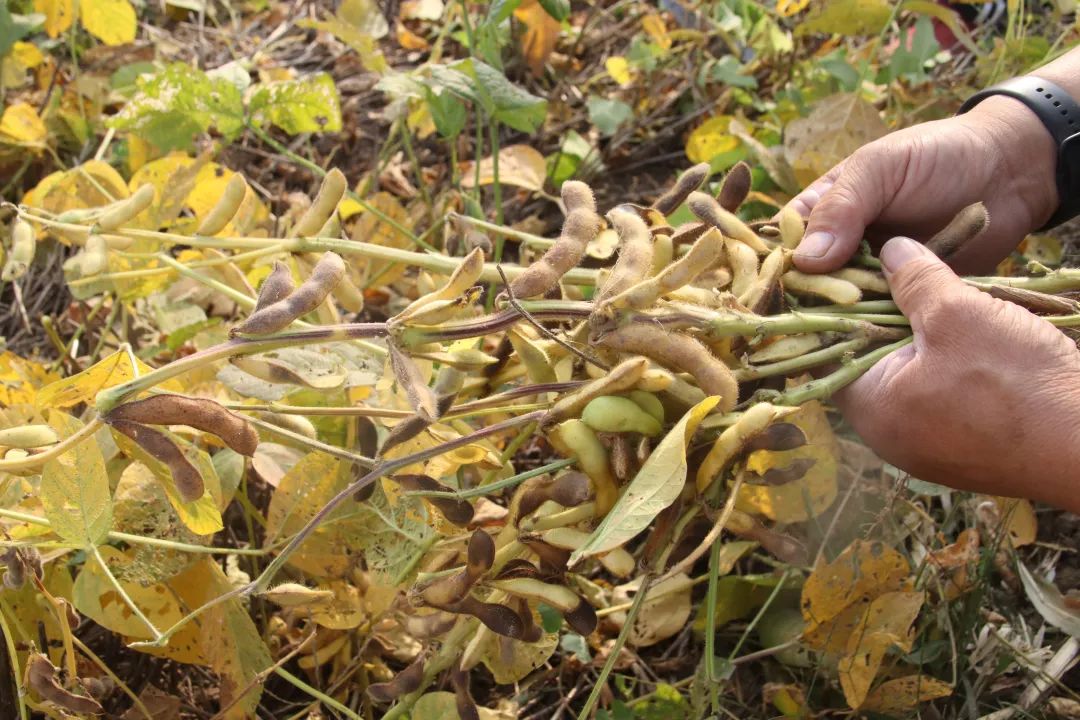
{"points": [[689, 181], [278, 285], [186, 477], [553, 558], [448, 592], [420, 396], [735, 187], [678, 352], [324, 277], [531, 632], [457, 511], [706, 251], [200, 413], [966, 226], [709, 211], [406, 681], [21, 564], [404, 431], [463, 699], [635, 252], [41, 677], [569, 490]]}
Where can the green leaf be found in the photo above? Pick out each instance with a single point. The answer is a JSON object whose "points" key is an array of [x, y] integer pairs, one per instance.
{"points": [[728, 70], [558, 9], [173, 106], [909, 60], [298, 106], [607, 115], [656, 486], [500, 10], [847, 17], [10, 32], [447, 112], [75, 488], [501, 99]]}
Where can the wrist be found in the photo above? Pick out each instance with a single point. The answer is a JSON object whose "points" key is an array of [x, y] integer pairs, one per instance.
{"points": [[1023, 151]]}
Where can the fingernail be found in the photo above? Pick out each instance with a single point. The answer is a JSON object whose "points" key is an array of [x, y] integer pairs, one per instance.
{"points": [[815, 245], [901, 250]]}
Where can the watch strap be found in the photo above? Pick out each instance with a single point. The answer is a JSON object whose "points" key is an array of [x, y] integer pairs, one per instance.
{"points": [[1060, 114]]}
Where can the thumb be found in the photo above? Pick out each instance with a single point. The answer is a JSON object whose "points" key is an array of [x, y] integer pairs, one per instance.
{"points": [[918, 279], [839, 218]]}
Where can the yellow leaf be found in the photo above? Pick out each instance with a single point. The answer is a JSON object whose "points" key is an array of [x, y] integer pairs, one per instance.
{"points": [[788, 8], [59, 14], [107, 372], [1042, 248], [1019, 518], [110, 21], [541, 34], [21, 125], [618, 68], [20, 379], [710, 138], [519, 165], [27, 54], [655, 28], [899, 696], [510, 660], [838, 126], [863, 570], [847, 17], [75, 488], [410, 40], [887, 621]]}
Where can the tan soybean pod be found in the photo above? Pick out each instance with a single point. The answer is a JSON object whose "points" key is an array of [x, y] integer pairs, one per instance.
{"points": [[838, 291], [293, 423], [791, 228], [635, 252], [292, 594], [863, 279], [968, 223], [734, 439], [407, 374], [708, 210], [461, 279], [186, 477], [681, 353], [576, 195], [743, 262], [735, 187], [200, 413], [623, 376], [278, 315], [278, 285], [408, 680], [325, 204], [225, 208], [95, 258], [581, 226], [28, 436], [704, 253], [573, 438], [348, 296], [663, 253], [125, 210], [23, 247], [787, 347], [687, 182], [559, 597], [772, 267]]}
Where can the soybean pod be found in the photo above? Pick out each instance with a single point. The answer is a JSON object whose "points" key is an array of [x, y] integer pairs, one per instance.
{"points": [[225, 208], [325, 204], [710, 212], [735, 187], [23, 246], [125, 210], [688, 182], [200, 413], [278, 315], [635, 252]]}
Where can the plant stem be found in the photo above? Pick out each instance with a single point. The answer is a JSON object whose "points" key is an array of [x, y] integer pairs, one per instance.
{"points": [[483, 490], [803, 362], [821, 388], [92, 549], [507, 232], [55, 451], [315, 693]]}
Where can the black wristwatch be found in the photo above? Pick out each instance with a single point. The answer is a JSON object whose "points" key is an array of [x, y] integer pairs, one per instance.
{"points": [[1060, 113]]}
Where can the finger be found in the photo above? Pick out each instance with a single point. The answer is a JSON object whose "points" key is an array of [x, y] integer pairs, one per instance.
{"points": [[871, 403], [839, 218], [805, 201], [919, 280]]}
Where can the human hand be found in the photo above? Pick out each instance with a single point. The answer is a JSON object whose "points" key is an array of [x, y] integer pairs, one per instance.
{"points": [[986, 398], [915, 180]]}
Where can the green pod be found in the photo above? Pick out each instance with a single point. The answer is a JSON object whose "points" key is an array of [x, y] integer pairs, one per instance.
{"points": [[612, 413], [648, 402], [28, 436]]}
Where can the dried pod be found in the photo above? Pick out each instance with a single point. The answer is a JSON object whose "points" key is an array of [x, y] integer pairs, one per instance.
{"points": [[480, 555], [863, 279], [41, 677], [838, 291], [296, 595], [278, 285], [463, 699], [614, 414], [406, 681], [772, 267], [559, 597], [461, 279], [777, 437], [21, 564], [966, 226], [744, 266], [704, 253], [621, 377], [618, 562], [680, 353], [573, 438], [792, 228], [733, 441], [709, 212], [581, 619], [783, 546], [531, 632], [520, 567], [348, 295], [431, 625], [782, 476], [405, 430], [185, 475], [323, 206], [553, 558], [788, 346], [457, 511], [476, 240], [421, 397], [126, 209], [23, 247], [200, 413], [323, 279], [735, 187], [225, 208], [498, 618], [579, 229], [1036, 302], [569, 490], [688, 182], [28, 436], [576, 195], [635, 252], [688, 233], [297, 424]]}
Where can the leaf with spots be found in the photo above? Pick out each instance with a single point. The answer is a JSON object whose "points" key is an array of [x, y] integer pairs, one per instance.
{"points": [[298, 106], [75, 488]]}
